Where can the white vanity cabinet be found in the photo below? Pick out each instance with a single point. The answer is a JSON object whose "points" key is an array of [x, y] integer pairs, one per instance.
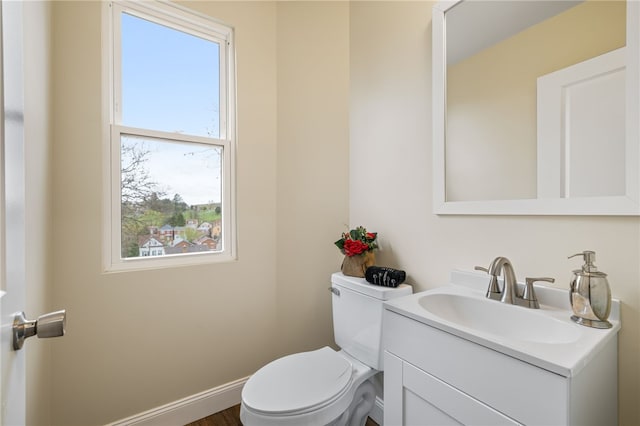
{"points": [[434, 377]]}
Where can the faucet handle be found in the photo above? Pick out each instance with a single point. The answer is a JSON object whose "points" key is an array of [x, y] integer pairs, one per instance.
{"points": [[493, 292], [529, 295]]}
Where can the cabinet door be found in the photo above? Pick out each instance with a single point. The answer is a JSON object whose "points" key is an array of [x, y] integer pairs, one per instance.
{"points": [[413, 397]]}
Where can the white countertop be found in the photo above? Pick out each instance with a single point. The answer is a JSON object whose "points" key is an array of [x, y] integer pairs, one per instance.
{"points": [[566, 359]]}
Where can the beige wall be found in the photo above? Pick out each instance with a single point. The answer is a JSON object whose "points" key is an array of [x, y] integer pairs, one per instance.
{"points": [[345, 100], [498, 85], [137, 340], [313, 150], [390, 175], [37, 66]]}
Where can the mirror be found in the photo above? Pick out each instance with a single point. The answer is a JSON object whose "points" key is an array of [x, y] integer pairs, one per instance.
{"points": [[536, 107]]}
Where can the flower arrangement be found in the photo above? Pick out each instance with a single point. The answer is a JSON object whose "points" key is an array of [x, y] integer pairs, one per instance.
{"points": [[357, 241]]}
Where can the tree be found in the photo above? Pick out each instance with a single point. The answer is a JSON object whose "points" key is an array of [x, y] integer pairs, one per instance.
{"points": [[136, 187], [178, 204], [152, 218], [191, 234], [131, 229], [177, 220], [156, 203], [136, 182]]}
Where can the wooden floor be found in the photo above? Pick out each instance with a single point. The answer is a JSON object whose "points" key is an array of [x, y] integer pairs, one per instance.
{"points": [[228, 417], [231, 417]]}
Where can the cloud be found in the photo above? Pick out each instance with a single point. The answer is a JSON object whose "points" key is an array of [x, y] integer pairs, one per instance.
{"points": [[191, 170]]}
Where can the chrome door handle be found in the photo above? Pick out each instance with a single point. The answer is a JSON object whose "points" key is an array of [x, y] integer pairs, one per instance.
{"points": [[47, 325]]}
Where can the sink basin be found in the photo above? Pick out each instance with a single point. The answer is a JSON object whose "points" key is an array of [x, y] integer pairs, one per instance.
{"points": [[499, 319], [545, 337]]}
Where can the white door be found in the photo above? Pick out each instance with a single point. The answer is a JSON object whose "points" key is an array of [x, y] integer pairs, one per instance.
{"points": [[14, 327], [581, 129], [12, 207]]}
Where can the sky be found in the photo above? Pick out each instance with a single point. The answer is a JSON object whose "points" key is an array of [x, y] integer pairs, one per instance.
{"points": [[193, 171], [170, 82]]}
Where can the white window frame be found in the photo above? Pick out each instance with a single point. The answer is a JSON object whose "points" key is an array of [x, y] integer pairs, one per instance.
{"points": [[182, 19]]}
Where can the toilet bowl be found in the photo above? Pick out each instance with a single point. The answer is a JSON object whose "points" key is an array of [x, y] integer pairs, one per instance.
{"points": [[326, 387], [321, 387]]}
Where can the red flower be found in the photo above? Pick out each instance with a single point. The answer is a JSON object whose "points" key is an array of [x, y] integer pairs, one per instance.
{"points": [[357, 241], [354, 247]]}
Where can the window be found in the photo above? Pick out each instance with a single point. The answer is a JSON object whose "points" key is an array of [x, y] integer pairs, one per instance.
{"points": [[171, 141]]}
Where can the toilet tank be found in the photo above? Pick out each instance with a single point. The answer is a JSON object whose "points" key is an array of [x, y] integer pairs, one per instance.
{"points": [[357, 316]]}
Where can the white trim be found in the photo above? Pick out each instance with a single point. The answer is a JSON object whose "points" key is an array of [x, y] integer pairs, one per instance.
{"points": [[160, 10], [189, 409], [377, 412], [206, 403], [107, 119], [439, 82], [180, 18], [118, 130]]}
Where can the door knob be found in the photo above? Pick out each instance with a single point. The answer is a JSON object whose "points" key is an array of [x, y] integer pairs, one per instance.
{"points": [[47, 325]]}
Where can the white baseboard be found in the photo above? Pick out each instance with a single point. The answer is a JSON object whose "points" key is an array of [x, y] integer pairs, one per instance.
{"points": [[189, 409], [377, 412], [206, 403]]}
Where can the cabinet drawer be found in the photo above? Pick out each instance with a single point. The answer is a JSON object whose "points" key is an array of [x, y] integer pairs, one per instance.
{"points": [[429, 401], [519, 390]]}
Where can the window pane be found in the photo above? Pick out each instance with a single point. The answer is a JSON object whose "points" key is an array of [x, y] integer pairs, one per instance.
{"points": [[171, 197], [170, 79]]}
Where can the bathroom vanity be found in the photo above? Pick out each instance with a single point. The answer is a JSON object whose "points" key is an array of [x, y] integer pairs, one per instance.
{"points": [[452, 356]]}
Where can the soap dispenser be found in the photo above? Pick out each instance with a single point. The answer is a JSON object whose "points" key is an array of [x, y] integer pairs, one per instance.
{"points": [[590, 295]]}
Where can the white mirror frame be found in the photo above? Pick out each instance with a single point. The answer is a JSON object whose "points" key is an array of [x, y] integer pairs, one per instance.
{"points": [[627, 205]]}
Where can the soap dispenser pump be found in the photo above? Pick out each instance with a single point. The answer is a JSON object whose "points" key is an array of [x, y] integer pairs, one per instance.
{"points": [[590, 295]]}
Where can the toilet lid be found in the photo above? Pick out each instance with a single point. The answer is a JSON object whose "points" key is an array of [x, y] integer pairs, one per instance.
{"points": [[298, 382]]}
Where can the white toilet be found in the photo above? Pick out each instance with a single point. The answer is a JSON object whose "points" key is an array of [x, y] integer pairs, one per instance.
{"points": [[325, 387]]}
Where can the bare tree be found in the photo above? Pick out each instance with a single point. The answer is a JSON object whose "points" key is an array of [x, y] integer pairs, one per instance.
{"points": [[136, 182], [136, 187]]}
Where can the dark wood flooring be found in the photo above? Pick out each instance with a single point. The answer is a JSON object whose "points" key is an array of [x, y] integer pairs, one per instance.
{"points": [[228, 417], [231, 417]]}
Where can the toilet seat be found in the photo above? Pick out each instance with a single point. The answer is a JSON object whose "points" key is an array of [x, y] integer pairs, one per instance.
{"points": [[309, 388], [298, 383]]}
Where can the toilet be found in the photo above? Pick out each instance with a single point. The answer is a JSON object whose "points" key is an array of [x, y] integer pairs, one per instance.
{"points": [[326, 387]]}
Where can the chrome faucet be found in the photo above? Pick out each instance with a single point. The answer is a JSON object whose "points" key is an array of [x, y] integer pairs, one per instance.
{"points": [[509, 293], [509, 287]]}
